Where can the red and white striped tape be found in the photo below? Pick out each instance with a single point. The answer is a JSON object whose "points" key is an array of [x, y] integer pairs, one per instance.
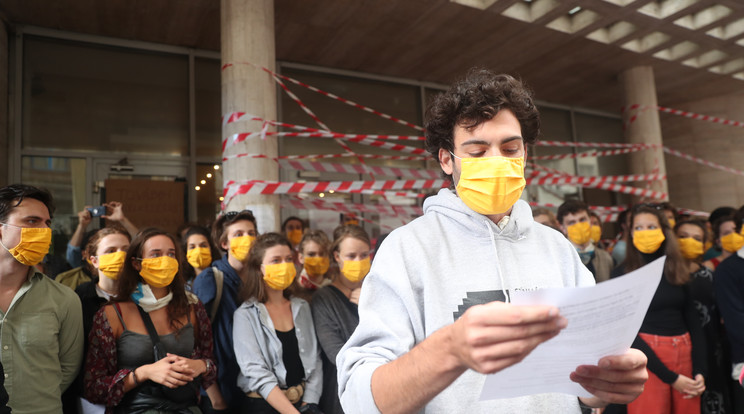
{"points": [[359, 169], [233, 188], [369, 140], [549, 179], [589, 154], [687, 114]]}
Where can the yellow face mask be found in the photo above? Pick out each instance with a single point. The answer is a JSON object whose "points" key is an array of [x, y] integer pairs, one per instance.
{"points": [[579, 233], [199, 257], [294, 237], [240, 246], [356, 270], [732, 242], [279, 276], [691, 248], [111, 263], [33, 246], [317, 266], [596, 233], [159, 271], [648, 241], [490, 185]]}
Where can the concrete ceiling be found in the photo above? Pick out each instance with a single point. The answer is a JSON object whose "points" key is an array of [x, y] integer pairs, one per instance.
{"points": [[570, 51]]}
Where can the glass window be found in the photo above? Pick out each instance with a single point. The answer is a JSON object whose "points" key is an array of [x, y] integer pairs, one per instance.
{"points": [[401, 101], [65, 179], [208, 189], [99, 98], [208, 101], [601, 129]]}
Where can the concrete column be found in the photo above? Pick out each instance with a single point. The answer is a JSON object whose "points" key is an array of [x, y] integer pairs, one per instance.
{"points": [[640, 89], [4, 129], [248, 36]]}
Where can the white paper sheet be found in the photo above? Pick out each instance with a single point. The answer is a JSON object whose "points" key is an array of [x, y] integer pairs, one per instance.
{"points": [[603, 320]]}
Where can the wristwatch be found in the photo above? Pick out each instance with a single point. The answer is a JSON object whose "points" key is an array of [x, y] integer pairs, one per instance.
{"points": [[208, 363]]}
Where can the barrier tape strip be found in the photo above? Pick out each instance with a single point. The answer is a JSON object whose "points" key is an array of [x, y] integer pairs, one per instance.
{"points": [[359, 169], [588, 154], [360, 139], [679, 112], [381, 187], [550, 179], [327, 156], [703, 162]]}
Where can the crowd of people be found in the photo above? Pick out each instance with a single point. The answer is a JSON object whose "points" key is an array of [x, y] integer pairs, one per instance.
{"points": [[237, 319]]}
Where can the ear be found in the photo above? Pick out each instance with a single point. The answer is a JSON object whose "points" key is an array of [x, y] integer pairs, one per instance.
{"points": [[445, 161], [94, 261], [225, 245], [337, 258], [136, 264], [301, 258], [564, 230]]}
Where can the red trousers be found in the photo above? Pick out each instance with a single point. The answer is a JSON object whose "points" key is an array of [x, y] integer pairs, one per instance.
{"points": [[660, 398]]}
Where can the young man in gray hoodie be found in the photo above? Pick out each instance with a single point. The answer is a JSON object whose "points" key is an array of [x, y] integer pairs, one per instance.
{"points": [[434, 311]]}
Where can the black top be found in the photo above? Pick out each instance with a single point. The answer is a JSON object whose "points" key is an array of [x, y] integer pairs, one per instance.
{"points": [[4, 409], [728, 281], [291, 357], [671, 312], [91, 303]]}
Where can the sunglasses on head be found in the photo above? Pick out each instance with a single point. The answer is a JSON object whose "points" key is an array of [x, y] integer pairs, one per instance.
{"points": [[230, 215]]}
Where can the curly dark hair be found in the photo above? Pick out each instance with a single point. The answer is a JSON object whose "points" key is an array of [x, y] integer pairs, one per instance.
{"points": [[475, 99]]}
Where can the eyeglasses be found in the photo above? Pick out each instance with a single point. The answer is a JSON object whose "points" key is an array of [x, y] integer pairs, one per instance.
{"points": [[230, 215]]}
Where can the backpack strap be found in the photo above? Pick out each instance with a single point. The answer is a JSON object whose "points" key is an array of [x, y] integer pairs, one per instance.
{"points": [[219, 281]]}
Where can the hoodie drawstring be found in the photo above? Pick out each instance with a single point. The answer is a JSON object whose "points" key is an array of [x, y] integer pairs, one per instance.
{"points": [[507, 298]]}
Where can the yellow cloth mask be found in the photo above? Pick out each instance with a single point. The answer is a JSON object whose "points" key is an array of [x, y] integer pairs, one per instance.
{"points": [[111, 263], [648, 241], [159, 271], [579, 233], [294, 237], [356, 270], [279, 276], [317, 266], [33, 246], [240, 246], [732, 242], [199, 257], [490, 185], [691, 248], [596, 233]]}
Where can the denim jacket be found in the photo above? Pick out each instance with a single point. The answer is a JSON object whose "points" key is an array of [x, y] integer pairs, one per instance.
{"points": [[259, 351]]}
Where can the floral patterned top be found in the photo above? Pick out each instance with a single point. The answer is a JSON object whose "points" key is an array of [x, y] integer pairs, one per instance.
{"points": [[104, 381]]}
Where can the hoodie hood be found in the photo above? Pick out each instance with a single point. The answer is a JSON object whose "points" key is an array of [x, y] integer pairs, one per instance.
{"points": [[447, 203]]}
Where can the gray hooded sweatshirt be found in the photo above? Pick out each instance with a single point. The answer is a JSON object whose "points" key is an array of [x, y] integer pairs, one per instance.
{"points": [[428, 273]]}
